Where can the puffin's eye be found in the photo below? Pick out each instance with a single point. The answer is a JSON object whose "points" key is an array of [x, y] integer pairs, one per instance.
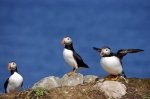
{"points": [[68, 39]]}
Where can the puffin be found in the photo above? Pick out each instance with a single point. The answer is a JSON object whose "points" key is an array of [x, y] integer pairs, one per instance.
{"points": [[15, 81], [71, 57], [112, 62]]}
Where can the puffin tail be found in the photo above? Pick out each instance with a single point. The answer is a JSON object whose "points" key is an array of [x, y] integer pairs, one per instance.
{"points": [[123, 74], [84, 66]]}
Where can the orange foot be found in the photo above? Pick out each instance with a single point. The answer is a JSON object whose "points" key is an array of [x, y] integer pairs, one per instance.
{"points": [[70, 73], [112, 77]]}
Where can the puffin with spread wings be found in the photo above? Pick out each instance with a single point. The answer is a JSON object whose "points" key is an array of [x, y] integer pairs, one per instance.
{"points": [[112, 62]]}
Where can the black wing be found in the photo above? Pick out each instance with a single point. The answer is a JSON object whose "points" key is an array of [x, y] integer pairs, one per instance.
{"points": [[6, 84], [22, 84], [124, 52], [79, 60]]}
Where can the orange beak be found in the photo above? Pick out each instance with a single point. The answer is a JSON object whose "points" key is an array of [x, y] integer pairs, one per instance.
{"points": [[9, 67], [62, 42]]}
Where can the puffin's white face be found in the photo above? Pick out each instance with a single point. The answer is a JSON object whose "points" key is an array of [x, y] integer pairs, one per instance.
{"points": [[105, 51], [12, 66], [66, 41]]}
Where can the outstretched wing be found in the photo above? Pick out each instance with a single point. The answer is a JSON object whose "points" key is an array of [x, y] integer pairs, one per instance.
{"points": [[123, 52], [79, 60]]}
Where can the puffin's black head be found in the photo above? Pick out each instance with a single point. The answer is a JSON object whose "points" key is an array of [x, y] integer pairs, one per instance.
{"points": [[12, 66], [66, 41], [104, 51]]}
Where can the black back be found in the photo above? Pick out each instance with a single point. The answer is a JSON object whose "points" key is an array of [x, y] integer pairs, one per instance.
{"points": [[77, 57], [79, 60]]}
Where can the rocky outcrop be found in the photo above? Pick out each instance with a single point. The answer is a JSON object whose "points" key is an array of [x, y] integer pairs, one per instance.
{"points": [[111, 89], [85, 87], [52, 82]]}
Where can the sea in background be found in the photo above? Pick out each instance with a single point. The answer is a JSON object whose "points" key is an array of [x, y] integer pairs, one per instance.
{"points": [[31, 31]]}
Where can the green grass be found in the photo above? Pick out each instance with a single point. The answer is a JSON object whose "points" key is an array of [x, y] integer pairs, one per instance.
{"points": [[39, 92], [147, 97]]}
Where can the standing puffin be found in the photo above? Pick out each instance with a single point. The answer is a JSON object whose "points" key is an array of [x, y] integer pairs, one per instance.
{"points": [[15, 81], [71, 57], [112, 62]]}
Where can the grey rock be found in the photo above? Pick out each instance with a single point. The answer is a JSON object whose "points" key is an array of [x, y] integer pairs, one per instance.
{"points": [[48, 83], [73, 80], [112, 89], [90, 78]]}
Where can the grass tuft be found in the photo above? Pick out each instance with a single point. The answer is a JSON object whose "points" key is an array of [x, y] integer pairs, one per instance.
{"points": [[39, 92]]}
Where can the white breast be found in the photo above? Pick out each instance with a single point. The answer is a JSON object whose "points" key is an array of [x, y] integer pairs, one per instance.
{"points": [[111, 64], [68, 56], [14, 82]]}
